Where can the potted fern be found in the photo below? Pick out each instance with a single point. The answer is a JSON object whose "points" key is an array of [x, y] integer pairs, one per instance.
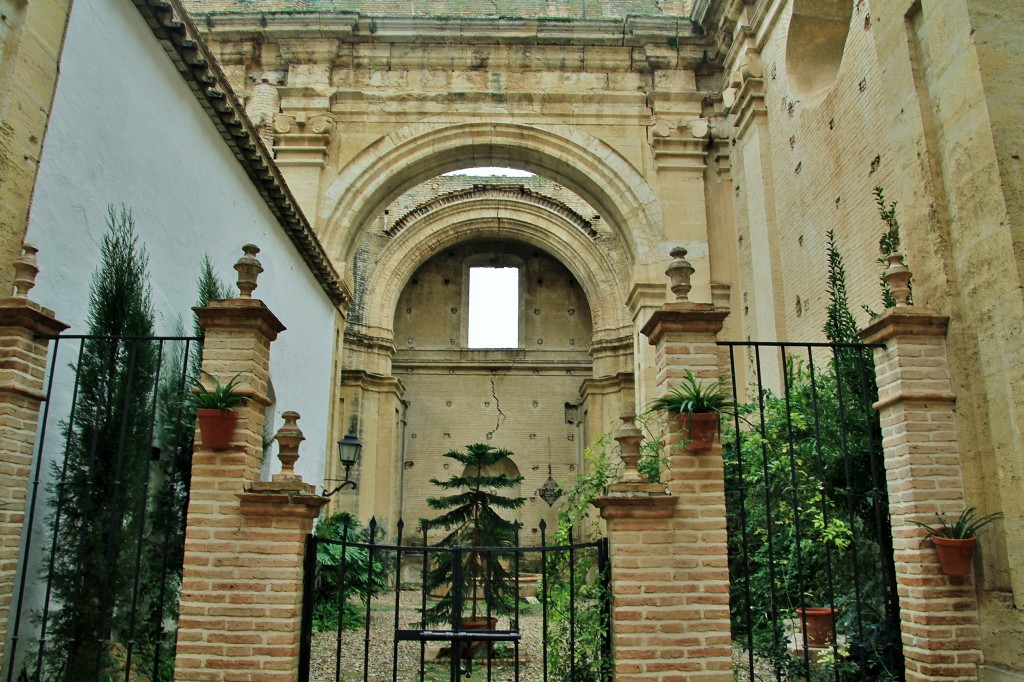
{"points": [[955, 542], [215, 411], [697, 407], [470, 515]]}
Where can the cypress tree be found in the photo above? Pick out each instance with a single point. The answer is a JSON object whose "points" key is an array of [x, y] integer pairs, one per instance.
{"points": [[97, 502]]}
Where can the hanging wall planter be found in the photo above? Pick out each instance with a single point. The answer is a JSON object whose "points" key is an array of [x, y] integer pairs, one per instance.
{"points": [[955, 555], [955, 542], [216, 427], [697, 407], [699, 429], [215, 412]]}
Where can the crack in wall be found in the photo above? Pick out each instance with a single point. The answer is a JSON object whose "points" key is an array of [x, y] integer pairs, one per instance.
{"points": [[497, 406]]}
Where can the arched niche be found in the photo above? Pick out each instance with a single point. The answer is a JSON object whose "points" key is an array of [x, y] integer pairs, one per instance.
{"points": [[814, 46], [596, 265]]}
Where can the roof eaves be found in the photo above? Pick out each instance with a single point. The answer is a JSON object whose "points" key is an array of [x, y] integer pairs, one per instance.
{"points": [[182, 42]]}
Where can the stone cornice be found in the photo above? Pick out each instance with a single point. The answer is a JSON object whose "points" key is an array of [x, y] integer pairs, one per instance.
{"points": [[182, 42], [676, 34], [23, 312], [684, 317], [908, 321], [503, 192], [240, 313], [642, 505]]}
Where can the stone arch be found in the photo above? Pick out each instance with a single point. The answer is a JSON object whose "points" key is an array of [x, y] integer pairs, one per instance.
{"points": [[815, 42], [594, 263], [426, 149]]}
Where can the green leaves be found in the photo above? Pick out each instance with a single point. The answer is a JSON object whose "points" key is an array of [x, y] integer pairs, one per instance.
{"points": [[694, 397], [966, 525], [220, 397]]}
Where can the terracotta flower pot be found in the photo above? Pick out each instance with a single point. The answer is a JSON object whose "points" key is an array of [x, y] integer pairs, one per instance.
{"points": [[216, 427], [955, 555], [818, 623], [699, 429]]}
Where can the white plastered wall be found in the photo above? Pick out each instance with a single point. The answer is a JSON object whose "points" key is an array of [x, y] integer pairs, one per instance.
{"points": [[126, 129]]}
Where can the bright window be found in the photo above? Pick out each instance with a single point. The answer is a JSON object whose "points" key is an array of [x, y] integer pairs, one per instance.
{"points": [[493, 307]]}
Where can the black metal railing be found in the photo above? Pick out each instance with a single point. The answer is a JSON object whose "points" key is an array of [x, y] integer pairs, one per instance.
{"points": [[808, 516], [100, 566], [363, 617]]}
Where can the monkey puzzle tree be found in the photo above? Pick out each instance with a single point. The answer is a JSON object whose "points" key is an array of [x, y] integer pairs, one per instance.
{"points": [[472, 519]]}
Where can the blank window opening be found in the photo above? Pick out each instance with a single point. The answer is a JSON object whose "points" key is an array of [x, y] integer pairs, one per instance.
{"points": [[494, 307]]}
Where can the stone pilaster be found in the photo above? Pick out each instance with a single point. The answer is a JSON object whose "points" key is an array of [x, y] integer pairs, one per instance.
{"points": [[22, 370], [938, 613], [244, 542]]}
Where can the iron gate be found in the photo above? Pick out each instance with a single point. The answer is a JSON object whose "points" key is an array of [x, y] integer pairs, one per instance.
{"points": [[374, 628], [100, 566], [808, 516]]}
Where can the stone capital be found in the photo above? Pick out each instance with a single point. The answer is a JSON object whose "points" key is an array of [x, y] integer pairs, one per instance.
{"points": [[906, 322], [240, 313], [694, 318], [636, 505], [282, 499]]}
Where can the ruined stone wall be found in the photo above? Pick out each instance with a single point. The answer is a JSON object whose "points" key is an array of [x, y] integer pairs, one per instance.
{"points": [[921, 104], [515, 398]]}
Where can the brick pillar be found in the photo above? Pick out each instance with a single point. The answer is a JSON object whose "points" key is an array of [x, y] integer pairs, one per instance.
{"points": [[669, 555], [22, 370], [938, 613], [244, 542]]}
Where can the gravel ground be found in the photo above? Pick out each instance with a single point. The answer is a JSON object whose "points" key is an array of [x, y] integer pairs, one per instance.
{"points": [[382, 615]]}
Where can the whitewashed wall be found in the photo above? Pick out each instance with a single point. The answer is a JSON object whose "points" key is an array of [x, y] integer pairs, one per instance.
{"points": [[126, 129]]}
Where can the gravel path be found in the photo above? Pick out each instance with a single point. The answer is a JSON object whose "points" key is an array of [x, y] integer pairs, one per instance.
{"points": [[324, 661]]}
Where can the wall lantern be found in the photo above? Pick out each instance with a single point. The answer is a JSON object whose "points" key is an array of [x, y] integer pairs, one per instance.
{"points": [[348, 453]]}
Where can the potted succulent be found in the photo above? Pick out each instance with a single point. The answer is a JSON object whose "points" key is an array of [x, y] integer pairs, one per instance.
{"points": [[215, 411], [955, 542], [697, 407], [470, 515]]}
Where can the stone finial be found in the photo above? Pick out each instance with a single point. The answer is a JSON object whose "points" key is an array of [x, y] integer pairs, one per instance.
{"points": [[25, 270], [248, 268], [679, 270], [897, 276], [628, 437], [288, 438]]}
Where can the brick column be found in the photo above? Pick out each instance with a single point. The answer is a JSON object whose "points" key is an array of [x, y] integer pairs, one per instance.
{"points": [[22, 369], [245, 539], [938, 613], [669, 554]]}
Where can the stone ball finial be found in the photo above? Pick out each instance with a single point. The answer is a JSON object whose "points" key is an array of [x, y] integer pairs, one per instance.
{"points": [[248, 268], [288, 438], [25, 270], [897, 276], [679, 270], [628, 437]]}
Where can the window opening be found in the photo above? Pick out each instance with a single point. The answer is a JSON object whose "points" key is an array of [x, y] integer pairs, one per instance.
{"points": [[494, 307]]}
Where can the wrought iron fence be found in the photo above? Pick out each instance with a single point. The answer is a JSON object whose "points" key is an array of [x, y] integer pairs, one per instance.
{"points": [[808, 517], [100, 568], [363, 617]]}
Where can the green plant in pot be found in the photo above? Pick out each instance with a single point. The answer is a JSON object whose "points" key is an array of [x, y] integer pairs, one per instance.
{"points": [[955, 542], [471, 517], [215, 411], [698, 406]]}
